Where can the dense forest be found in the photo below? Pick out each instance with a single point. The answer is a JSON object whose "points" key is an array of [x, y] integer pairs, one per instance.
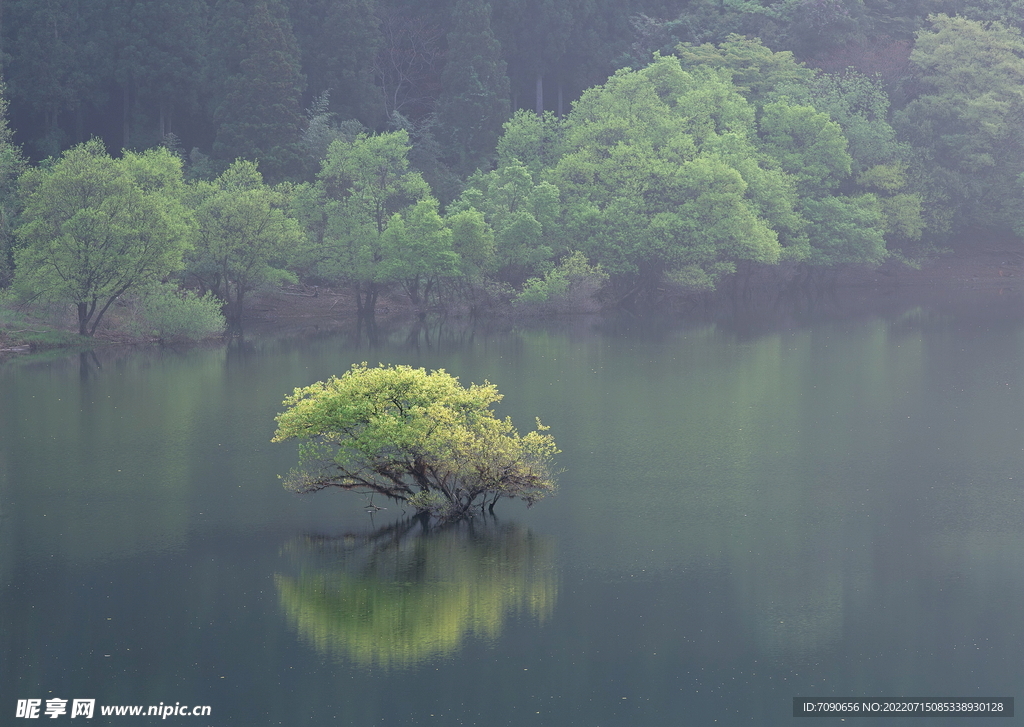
{"points": [[529, 153]]}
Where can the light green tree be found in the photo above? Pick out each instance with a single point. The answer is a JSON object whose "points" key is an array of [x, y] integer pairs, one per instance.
{"points": [[757, 72], [534, 140], [363, 183], [95, 228], [807, 144], [523, 215], [966, 117], [416, 250], [245, 235], [473, 241], [12, 164], [845, 230], [420, 438], [662, 181]]}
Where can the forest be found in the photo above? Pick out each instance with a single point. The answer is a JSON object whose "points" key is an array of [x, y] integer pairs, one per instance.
{"points": [[543, 155]]}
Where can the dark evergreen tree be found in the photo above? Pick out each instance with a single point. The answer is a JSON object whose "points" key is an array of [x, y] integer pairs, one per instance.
{"points": [[260, 118], [339, 40], [475, 101], [158, 67], [56, 61]]}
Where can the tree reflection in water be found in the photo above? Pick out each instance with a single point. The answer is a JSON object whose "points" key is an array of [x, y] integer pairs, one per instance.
{"points": [[408, 592]]}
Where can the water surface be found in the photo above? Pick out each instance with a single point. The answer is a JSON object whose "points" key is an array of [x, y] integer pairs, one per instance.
{"points": [[753, 509]]}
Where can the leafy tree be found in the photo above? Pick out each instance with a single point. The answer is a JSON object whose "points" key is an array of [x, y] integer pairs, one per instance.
{"points": [[260, 117], [807, 144], [94, 228], [12, 164], [534, 140], [245, 235], [417, 251], [845, 230], [756, 71], [522, 214], [474, 102], [903, 211], [420, 438], [569, 286], [966, 116], [362, 184], [649, 184], [860, 105], [472, 241]]}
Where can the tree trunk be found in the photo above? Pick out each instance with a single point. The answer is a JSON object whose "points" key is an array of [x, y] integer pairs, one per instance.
{"points": [[125, 116], [83, 319]]}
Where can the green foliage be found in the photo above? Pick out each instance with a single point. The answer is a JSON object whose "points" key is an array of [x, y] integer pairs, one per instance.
{"points": [[363, 183], [245, 236], [12, 165], [903, 211], [967, 116], [94, 228], [416, 249], [420, 438], [522, 214], [845, 230], [171, 314], [860, 106], [568, 287], [660, 173], [473, 241], [807, 144], [756, 71], [533, 140]]}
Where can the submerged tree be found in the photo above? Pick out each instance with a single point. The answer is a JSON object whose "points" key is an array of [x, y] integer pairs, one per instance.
{"points": [[417, 437]]}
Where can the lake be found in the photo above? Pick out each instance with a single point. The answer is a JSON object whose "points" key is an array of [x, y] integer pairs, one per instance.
{"points": [[818, 501]]}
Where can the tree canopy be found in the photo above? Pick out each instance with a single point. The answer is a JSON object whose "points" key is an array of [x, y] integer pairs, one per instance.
{"points": [[417, 437], [94, 228]]}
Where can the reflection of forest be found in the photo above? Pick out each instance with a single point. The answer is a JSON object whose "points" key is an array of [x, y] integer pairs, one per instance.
{"points": [[403, 594]]}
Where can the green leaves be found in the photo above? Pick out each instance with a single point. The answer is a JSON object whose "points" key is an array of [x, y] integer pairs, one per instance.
{"points": [[245, 234], [95, 227], [415, 436], [654, 177], [968, 113]]}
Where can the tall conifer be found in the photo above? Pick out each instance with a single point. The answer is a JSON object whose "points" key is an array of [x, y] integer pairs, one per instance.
{"points": [[260, 118], [475, 101]]}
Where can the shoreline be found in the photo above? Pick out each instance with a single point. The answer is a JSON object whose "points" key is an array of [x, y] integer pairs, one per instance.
{"points": [[999, 271]]}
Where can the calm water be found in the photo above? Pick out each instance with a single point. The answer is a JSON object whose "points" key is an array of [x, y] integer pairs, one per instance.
{"points": [[821, 505]]}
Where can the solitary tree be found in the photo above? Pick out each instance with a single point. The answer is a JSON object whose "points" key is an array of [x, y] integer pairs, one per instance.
{"points": [[417, 437]]}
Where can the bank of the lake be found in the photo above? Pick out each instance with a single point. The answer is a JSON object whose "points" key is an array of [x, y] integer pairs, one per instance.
{"points": [[999, 269]]}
